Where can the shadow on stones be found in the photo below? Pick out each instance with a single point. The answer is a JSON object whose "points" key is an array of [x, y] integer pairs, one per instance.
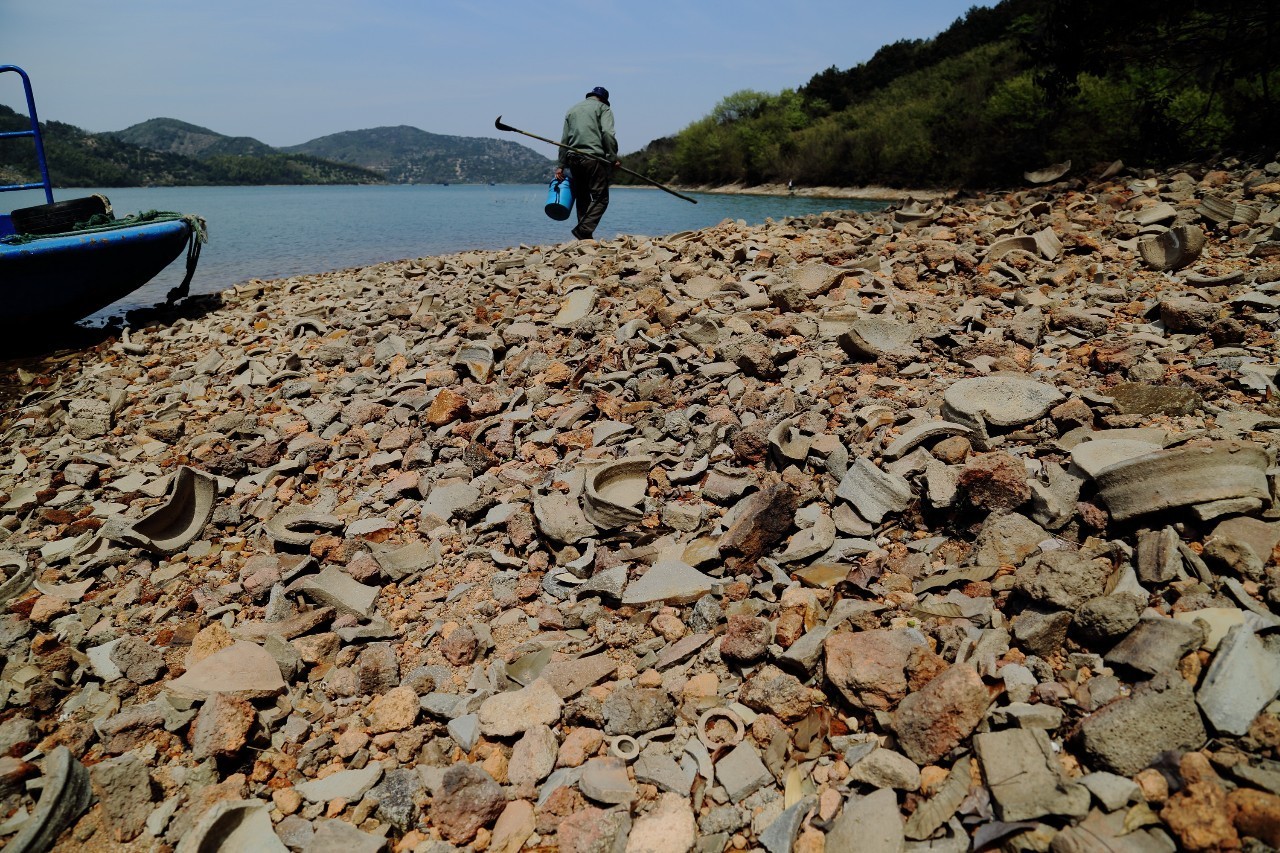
{"points": [[37, 351]]}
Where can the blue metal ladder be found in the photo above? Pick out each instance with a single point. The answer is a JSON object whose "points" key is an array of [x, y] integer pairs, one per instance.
{"points": [[34, 132]]}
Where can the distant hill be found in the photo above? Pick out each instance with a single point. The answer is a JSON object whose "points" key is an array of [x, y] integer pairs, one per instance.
{"points": [[78, 158], [408, 155], [179, 137]]}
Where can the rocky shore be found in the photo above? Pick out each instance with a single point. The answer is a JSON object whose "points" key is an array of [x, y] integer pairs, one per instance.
{"points": [[947, 527], [865, 193]]}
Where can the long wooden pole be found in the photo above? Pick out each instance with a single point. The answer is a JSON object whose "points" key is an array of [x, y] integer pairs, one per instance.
{"points": [[500, 126]]}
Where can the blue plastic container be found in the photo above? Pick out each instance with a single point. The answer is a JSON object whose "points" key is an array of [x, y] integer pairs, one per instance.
{"points": [[559, 200]]}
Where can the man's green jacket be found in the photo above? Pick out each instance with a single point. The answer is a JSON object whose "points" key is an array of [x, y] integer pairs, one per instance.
{"points": [[588, 126]]}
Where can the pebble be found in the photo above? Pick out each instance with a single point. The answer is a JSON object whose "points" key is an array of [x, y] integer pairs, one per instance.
{"points": [[513, 713], [714, 540]]}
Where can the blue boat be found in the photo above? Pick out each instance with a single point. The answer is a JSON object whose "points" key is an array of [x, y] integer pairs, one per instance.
{"points": [[62, 261]]}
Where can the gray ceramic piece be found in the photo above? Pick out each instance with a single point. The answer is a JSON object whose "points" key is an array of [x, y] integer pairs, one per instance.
{"points": [[1182, 477], [65, 796], [177, 522]]}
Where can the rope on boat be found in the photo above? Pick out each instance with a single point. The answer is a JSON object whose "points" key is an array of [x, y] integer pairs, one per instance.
{"points": [[199, 236], [107, 222]]}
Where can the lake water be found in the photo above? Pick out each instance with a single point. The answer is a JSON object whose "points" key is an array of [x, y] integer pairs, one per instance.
{"points": [[275, 232]]}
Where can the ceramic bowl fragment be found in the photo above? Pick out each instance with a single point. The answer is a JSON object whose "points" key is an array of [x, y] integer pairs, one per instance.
{"points": [[708, 731], [615, 491], [1172, 249], [233, 825], [577, 305], [1183, 477], [870, 338], [177, 522], [64, 797], [916, 435], [689, 470], [997, 400], [1005, 245], [18, 575], [290, 526], [1048, 173], [1048, 244], [478, 358], [787, 445]]}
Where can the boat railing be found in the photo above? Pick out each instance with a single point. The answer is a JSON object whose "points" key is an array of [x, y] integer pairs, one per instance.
{"points": [[34, 133]]}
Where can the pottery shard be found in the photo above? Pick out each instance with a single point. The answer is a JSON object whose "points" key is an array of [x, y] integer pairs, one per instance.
{"points": [[871, 823], [615, 492], [1242, 680], [933, 720], [1021, 769], [177, 522], [1156, 645], [578, 304], [1005, 245], [1172, 249], [869, 667], [65, 795], [1092, 457], [870, 338], [1171, 479], [918, 434], [668, 581], [1243, 544], [1003, 401], [761, 523], [242, 669], [872, 492]]}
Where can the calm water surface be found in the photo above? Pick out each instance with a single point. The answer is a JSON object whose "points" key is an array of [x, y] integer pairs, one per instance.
{"points": [[275, 232]]}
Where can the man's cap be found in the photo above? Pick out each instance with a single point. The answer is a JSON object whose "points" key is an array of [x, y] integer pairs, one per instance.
{"points": [[600, 92]]}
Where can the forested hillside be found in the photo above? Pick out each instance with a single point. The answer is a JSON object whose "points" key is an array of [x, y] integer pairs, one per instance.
{"points": [[78, 158], [1004, 90], [190, 140], [408, 155], [166, 152]]}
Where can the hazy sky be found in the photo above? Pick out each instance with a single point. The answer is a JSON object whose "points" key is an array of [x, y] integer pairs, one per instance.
{"points": [[286, 72]]}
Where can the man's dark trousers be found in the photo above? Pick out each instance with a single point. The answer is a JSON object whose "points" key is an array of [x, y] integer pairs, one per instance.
{"points": [[590, 182]]}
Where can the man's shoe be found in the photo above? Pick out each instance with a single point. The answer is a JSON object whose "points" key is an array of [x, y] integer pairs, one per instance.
{"points": [[579, 233]]}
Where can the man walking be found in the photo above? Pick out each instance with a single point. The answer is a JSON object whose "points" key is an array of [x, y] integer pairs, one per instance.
{"points": [[588, 127]]}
